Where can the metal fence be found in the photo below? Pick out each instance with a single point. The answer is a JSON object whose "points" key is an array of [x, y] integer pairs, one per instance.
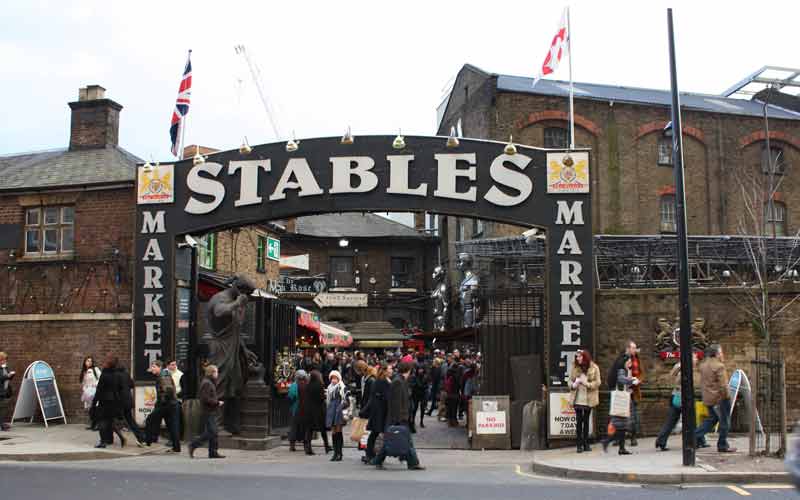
{"points": [[768, 421]]}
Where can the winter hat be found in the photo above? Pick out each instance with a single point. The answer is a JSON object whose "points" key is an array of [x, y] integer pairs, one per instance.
{"points": [[335, 373]]}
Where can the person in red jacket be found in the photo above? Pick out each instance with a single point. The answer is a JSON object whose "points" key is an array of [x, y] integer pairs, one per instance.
{"points": [[210, 404]]}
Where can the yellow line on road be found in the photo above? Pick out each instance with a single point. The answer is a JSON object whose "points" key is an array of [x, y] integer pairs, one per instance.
{"points": [[738, 490]]}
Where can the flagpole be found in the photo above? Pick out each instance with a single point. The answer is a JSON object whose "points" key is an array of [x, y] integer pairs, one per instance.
{"points": [[184, 119], [571, 92]]}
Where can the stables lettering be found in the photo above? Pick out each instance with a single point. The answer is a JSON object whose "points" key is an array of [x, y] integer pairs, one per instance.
{"points": [[456, 178]]}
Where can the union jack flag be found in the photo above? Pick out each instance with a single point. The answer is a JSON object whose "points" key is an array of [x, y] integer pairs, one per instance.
{"points": [[181, 106]]}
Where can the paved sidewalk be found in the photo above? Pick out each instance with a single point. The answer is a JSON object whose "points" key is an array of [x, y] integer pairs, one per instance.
{"points": [[648, 465], [32, 442]]}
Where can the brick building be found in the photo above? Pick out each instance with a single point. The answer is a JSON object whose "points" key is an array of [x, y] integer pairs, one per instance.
{"points": [[66, 248], [632, 186], [384, 264]]}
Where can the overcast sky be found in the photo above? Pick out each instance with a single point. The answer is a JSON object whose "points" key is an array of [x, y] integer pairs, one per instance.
{"points": [[377, 66]]}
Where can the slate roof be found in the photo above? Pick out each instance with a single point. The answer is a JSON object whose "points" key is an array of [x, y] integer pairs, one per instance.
{"points": [[64, 168], [703, 102], [353, 225]]}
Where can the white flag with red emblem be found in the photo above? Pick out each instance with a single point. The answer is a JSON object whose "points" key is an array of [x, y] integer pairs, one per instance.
{"points": [[558, 48]]}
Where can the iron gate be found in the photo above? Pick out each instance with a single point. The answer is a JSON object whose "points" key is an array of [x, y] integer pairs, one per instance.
{"points": [[280, 333]]}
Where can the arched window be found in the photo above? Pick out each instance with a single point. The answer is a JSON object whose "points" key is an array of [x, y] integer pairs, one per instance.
{"points": [[555, 138], [775, 161], [667, 210], [775, 219]]}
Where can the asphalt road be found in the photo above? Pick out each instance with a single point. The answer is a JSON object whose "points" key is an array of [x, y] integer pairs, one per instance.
{"points": [[176, 477]]}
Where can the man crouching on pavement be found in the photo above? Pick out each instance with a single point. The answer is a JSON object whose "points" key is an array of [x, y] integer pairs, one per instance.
{"points": [[210, 404]]}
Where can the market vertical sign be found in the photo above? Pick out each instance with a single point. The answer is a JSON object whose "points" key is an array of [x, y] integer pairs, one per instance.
{"points": [[154, 269], [570, 262]]}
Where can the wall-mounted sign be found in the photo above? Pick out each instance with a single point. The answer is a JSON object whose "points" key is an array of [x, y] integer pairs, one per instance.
{"points": [[561, 417], [39, 384], [273, 249], [297, 285], [341, 300], [155, 184], [567, 173], [490, 422]]}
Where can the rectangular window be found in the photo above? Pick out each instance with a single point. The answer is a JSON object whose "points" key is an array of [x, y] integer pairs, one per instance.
{"points": [[207, 251], [778, 162], [775, 220], [555, 138], [261, 254], [477, 228], [668, 214], [50, 231], [665, 151], [403, 272], [342, 275], [432, 224]]}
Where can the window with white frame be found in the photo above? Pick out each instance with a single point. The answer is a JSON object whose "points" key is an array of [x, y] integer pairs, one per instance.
{"points": [[665, 151], [668, 213], [775, 219], [477, 228], [50, 231]]}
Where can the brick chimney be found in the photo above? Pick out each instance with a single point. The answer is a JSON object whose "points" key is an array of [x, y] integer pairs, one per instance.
{"points": [[95, 120]]}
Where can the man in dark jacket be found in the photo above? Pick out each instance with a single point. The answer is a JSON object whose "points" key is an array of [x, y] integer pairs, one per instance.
{"points": [[209, 403], [166, 408], [398, 415], [5, 390]]}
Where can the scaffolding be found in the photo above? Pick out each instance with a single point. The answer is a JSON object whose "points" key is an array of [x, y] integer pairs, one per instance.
{"points": [[640, 261]]}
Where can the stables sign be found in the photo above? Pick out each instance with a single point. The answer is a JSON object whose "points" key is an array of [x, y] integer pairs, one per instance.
{"points": [[474, 179]]}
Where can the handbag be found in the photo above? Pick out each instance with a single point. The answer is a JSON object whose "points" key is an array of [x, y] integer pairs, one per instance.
{"points": [[620, 404], [676, 399], [359, 428]]}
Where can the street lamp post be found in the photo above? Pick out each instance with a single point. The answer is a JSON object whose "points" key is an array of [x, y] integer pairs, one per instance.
{"points": [[686, 348]]}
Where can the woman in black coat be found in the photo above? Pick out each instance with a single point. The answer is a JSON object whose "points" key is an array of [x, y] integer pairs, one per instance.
{"points": [[378, 407], [109, 401], [313, 418]]}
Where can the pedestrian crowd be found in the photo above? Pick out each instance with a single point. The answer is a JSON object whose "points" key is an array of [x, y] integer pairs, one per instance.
{"points": [[386, 393], [383, 394], [625, 379]]}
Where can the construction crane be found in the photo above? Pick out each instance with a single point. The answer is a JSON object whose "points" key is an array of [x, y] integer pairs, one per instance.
{"points": [[255, 73]]}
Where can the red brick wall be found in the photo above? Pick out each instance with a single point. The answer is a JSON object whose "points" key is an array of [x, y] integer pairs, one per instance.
{"points": [[63, 344], [632, 314], [96, 279]]}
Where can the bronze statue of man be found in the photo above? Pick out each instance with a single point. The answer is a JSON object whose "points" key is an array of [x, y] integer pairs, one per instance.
{"points": [[226, 313]]}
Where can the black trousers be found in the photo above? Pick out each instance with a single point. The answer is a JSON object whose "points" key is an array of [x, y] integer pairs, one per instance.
{"points": [[370, 451], [170, 413], [131, 423], [582, 418], [209, 434], [416, 405], [452, 408]]}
